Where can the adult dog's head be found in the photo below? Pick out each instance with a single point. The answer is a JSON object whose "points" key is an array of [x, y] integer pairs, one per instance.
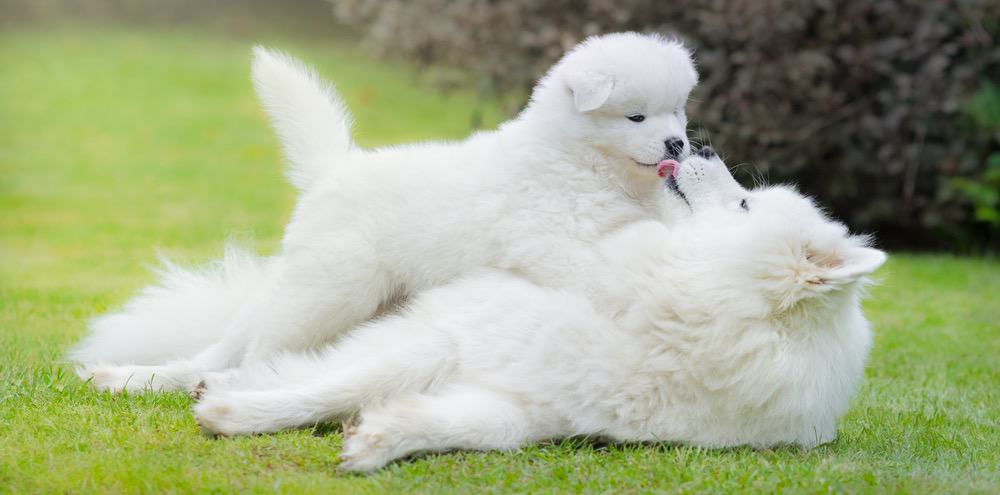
{"points": [[765, 288], [776, 248], [620, 97]]}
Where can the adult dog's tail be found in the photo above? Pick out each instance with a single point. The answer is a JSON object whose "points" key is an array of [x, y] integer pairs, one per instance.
{"points": [[185, 312], [312, 122]]}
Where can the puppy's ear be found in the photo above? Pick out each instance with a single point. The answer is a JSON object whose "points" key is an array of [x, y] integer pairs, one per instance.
{"points": [[590, 89]]}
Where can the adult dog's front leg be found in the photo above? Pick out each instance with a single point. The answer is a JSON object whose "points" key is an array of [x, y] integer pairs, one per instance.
{"points": [[387, 358], [455, 418]]}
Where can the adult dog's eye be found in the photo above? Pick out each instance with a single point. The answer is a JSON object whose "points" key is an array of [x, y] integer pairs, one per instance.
{"points": [[743, 204], [638, 117]]}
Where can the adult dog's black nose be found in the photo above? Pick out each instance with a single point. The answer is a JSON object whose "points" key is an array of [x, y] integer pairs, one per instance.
{"points": [[675, 146], [706, 152]]}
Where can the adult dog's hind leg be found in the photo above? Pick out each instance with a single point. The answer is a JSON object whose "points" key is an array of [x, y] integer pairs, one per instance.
{"points": [[182, 374], [310, 297]]}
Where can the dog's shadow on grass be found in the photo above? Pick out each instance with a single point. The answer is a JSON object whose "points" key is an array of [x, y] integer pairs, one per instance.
{"points": [[554, 452], [327, 429], [600, 444], [543, 452]]}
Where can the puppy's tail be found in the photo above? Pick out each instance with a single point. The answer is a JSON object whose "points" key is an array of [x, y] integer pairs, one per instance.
{"points": [[309, 117], [182, 314]]}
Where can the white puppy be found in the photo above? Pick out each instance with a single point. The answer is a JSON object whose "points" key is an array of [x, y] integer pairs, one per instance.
{"points": [[739, 326], [373, 226]]}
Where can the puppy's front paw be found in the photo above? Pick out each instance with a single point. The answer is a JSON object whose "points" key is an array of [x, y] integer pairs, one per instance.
{"points": [[366, 449]]}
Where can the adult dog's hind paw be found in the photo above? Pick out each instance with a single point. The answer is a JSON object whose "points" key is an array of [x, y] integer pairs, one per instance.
{"points": [[115, 379]]}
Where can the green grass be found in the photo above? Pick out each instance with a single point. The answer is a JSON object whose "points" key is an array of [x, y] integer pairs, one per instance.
{"points": [[116, 140]]}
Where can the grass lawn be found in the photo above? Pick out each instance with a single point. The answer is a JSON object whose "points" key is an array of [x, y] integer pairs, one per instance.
{"points": [[114, 141]]}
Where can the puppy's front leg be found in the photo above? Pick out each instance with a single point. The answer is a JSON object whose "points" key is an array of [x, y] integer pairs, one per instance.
{"points": [[457, 417]]}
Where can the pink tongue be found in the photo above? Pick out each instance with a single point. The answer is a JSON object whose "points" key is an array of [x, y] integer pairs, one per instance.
{"points": [[672, 165]]}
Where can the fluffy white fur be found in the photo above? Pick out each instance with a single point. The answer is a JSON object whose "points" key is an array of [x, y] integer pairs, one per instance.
{"points": [[373, 226], [739, 325]]}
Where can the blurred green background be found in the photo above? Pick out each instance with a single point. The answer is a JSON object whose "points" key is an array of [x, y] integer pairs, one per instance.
{"points": [[128, 128]]}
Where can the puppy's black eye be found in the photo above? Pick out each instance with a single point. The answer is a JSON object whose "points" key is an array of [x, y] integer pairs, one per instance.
{"points": [[636, 117], [743, 204]]}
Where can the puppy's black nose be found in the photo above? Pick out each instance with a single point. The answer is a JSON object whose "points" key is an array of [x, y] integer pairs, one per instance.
{"points": [[706, 152], [675, 146]]}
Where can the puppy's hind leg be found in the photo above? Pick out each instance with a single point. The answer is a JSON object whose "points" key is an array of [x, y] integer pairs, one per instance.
{"points": [[457, 417], [321, 291]]}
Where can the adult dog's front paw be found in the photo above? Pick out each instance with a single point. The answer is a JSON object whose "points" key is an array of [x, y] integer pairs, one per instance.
{"points": [[220, 414], [366, 448]]}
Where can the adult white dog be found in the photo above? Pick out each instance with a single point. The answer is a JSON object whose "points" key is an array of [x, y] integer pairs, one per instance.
{"points": [[372, 226], [740, 325]]}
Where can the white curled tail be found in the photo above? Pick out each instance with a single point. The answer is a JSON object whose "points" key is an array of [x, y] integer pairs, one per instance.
{"points": [[309, 117]]}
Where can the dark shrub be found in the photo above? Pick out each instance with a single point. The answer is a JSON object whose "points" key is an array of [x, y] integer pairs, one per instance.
{"points": [[865, 104]]}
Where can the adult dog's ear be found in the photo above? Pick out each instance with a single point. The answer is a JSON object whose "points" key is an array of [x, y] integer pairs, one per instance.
{"points": [[590, 89], [820, 271], [850, 266]]}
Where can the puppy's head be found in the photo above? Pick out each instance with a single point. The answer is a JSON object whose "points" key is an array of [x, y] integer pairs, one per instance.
{"points": [[623, 95]]}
